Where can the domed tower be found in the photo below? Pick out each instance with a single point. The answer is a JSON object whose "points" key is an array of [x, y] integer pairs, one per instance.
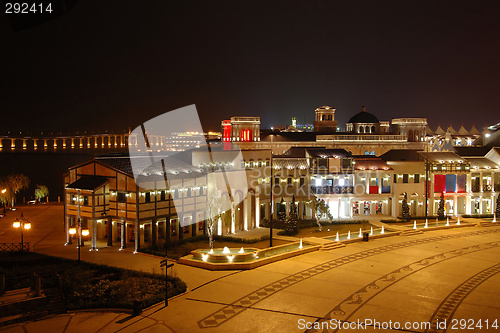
{"points": [[363, 123], [325, 119]]}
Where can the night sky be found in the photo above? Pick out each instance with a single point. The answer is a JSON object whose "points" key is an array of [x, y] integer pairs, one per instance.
{"points": [[111, 65]]}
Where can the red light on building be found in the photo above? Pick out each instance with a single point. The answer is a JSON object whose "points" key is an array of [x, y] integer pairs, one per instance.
{"points": [[246, 135], [226, 135]]}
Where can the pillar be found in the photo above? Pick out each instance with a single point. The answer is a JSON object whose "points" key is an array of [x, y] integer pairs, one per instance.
{"points": [[88, 142], [154, 232], [55, 143], [12, 143], [45, 145], [94, 235], [102, 141], [24, 143], [257, 213], [64, 143], [123, 235], [95, 141], [1, 144], [481, 182], [137, 236], [34, 144], [115, 137], [67, 226], [245, 213], [455, 205], [81, 142], [110, 231], [72, 142]]}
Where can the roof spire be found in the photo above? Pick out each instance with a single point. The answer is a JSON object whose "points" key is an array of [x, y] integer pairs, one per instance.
{"points": [[363, 109]]}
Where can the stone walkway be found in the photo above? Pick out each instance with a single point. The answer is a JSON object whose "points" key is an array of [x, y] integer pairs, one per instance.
{"points": [[401, 283]]}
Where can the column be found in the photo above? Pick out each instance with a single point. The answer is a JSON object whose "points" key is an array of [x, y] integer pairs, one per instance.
{"points": [[257, 213], [467, 204], [88, 142], [55, 143], [1, 144], [64, 143], [34, 144], [12, 143], [115, 137], [68, 224], [154, 232], [245, 213], [72, 142], [81, 142], [455, 205], [110, 231], [24, 143], [123, 235], [137, 236], [379, 182], [45, 145], [94, 235]]}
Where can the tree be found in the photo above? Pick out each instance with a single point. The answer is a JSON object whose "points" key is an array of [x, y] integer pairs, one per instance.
{"points": [[320, 209], [41, 192], [405, 208], [291, 227], [441, 207], [281, 215], [15, 183], [216, 206]]}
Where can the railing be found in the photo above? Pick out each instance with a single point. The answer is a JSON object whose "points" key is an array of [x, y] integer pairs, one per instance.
{"points": [[332, 189], [15, 247], [365, 137]]}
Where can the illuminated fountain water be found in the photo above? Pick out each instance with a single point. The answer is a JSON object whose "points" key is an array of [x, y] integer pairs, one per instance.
{"points": [[458, 221], [415, 224], [494, 218], [226, 250], [382, 231], [337, 238], [447, 222], [349, 235], [300, 246], [360, 233], [426, 224], [241, 250], [211, 251], [371, 231]]}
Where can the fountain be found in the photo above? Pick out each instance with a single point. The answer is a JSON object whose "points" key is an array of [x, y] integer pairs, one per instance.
{"points": [[226, 250], [337, 238], [211, 251], [241, 250], [415, 224], [230, 258], [447, 222], [371, 231], [300, 246], [426, 224], [382, 231], [458, 221], [360, 233], [204, 256], [349, 235]]}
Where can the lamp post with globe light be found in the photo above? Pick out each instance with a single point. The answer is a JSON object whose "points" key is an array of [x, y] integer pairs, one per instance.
{"points": [[22, 223], [78, 228]]}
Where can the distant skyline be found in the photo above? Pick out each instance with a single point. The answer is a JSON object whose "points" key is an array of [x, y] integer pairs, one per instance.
{"points": [[113, 65]]}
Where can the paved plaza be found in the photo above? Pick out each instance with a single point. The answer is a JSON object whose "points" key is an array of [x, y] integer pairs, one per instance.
{"points": [[394, 284]]}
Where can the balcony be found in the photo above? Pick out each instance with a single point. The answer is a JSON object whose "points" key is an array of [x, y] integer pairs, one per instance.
{"points": [[332, 189], [486, 188]]}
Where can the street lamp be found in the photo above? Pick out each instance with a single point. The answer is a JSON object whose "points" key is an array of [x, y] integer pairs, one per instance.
{"points": [[81, 232], [22, 223]]}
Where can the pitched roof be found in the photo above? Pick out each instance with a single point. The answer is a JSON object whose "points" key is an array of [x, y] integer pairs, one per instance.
{"points": [[428, 130], [451, 130], [441, 156], [439, 130], [474, 130], [463, 131], [371, 164], [327, 153], [90, 183], [410, 155], [482, 163]]}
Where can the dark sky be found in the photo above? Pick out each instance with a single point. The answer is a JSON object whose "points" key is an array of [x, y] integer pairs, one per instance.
{"points": [[111, 65]]}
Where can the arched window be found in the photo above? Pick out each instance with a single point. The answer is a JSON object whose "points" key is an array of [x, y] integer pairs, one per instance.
{"points": [[330, 117], [373, 152], [361, 129], [323, 117], [373, 129], [367, 152], [367, 129]]}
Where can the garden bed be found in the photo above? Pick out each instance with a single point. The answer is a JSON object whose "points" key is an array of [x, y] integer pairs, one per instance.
{"points": [[88, 285]]}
